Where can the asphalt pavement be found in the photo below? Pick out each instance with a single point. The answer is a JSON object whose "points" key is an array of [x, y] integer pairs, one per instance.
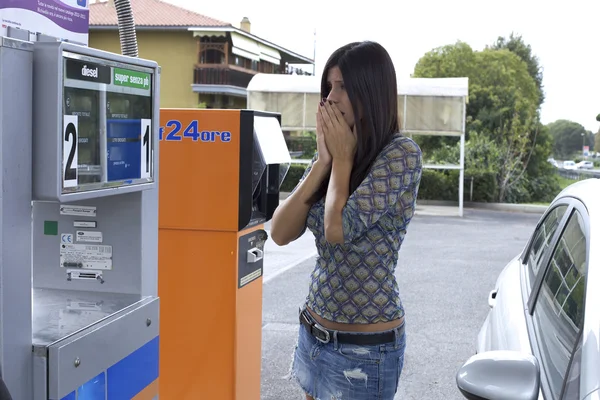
{"points": [[447, 267]]}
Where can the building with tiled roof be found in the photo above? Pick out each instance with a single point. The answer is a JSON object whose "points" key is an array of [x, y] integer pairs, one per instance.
{"points": [[205, 62]]}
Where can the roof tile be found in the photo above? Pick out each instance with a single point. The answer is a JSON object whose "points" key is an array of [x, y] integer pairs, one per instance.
{"points": [[151, 13]]}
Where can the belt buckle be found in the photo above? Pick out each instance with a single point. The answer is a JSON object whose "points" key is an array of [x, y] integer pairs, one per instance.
{"points": [[324, 331]]}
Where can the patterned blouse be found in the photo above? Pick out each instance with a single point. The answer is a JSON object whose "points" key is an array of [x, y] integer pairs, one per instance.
{"points": [[354, 282]]}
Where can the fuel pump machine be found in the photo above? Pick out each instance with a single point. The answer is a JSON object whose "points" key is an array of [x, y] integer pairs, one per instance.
{"points": [[220, 176], [89, 303]]}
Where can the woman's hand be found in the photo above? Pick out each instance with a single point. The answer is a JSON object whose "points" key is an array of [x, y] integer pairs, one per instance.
{"points": [[324, 158], [339, 137]]}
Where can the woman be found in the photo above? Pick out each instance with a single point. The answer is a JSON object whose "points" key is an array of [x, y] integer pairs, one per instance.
{"points": [[357, 197]]}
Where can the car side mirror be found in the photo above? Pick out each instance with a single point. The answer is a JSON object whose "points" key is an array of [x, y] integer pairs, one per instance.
{"points": [[495, 375]]}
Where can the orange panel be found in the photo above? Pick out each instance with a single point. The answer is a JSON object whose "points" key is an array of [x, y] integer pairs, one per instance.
{"points": [[196, 285], [249, 337], [199, 179], [210, 331]]}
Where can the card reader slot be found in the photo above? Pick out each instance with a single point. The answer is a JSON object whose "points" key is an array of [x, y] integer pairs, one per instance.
{"points": [[84, 275]]}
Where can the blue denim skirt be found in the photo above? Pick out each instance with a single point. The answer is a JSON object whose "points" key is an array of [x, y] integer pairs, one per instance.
{"points": [[340, 371]]}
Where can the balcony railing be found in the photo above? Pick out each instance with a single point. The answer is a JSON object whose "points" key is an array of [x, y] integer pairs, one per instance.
{"points": [[221, 76], [294, 71], [218, 56]]}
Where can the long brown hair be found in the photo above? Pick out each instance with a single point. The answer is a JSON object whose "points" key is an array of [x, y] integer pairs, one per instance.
{"points": [[370, 80]]}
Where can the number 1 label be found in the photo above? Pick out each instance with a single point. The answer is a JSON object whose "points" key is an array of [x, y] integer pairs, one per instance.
{"points": [[70, 142], [146, 148]]}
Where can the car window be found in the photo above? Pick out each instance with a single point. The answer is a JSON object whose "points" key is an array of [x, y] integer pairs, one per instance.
{"points": [[541, 242], [558, 313]]}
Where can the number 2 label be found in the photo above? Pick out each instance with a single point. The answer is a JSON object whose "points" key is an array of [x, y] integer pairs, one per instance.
{"points": [[70, 141], [146, 148]]}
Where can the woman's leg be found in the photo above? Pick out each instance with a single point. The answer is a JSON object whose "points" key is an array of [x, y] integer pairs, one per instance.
{"points": [[309, 398]]}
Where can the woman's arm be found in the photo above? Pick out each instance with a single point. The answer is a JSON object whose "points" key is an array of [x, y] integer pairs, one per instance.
{"points": [[392, 182], [337, 196], [289, 219]]}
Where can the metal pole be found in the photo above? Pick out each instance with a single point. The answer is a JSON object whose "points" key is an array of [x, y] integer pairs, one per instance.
{"points": [[304, 114], [103, 134], [314, 52], [471, 195], [404, 114], [461, 178]]}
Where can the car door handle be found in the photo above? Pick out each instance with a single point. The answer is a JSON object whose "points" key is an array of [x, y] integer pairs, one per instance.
{"points": [[492, 298]]}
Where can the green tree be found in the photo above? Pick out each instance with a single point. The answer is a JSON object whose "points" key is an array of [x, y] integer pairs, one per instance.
{"points": [[450, 61], [540, 173], [542, 182], [455, 60], [500, 86], [503, 102], [517, 45], [597, 142], [569, 137], [498, 80]]}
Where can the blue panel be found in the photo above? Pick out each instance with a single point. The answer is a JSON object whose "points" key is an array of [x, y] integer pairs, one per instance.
{"points": [[132, 374], [70, 396], [124, 146], [95, 389]]}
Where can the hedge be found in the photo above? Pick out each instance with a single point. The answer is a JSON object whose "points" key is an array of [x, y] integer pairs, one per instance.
{"points": [[293, 177], [435, 184], [306, 144]]}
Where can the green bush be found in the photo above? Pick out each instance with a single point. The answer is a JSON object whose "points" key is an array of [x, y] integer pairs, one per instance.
{"points": [[435, 184], [443, 185], [293, 177], [544, 188], [306, 144], [439, 185], [485, 187]]}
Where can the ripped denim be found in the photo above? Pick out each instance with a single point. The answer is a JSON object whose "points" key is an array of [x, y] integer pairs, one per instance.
{"points": [[339, 371]]}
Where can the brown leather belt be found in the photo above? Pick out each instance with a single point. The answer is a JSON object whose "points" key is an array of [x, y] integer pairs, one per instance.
{"points": [[325, 335]]}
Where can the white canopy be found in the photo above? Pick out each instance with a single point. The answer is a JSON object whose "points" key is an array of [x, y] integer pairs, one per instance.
{"points": [[427, 106], [277, 83]]}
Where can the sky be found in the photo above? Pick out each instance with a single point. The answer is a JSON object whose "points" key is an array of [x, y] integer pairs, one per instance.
{"points": [[563, 35]]}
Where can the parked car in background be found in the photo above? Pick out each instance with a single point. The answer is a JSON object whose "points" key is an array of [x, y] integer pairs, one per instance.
{"points": [[569, 165], [553, 162], [585, 165], [541, 337]]}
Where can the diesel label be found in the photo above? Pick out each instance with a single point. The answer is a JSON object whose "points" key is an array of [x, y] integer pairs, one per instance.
{"points": [[92, 73], [87, 71]]}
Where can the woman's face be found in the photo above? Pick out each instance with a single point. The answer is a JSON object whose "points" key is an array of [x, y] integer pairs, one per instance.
{"points": [[338, 95]]}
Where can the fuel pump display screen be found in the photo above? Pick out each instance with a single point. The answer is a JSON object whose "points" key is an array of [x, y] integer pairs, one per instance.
{"points": [[107, 124]]}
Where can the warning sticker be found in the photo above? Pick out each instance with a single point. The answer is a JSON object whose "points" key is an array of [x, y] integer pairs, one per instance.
{"points": [[86, 256]]}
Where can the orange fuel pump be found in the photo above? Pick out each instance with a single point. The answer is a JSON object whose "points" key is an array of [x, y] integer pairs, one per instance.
{"points": [[220, 173]]}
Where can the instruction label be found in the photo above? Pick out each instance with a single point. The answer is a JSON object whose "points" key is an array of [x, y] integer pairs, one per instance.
{"points": [[86, 256], [80, 211], [89, 236], [85, 224]]}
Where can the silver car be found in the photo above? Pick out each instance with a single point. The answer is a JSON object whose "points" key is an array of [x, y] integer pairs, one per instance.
{"points": [[541, 337]]}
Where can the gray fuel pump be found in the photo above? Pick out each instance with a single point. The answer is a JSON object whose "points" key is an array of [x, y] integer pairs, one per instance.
{"points": [[79, 311]]}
